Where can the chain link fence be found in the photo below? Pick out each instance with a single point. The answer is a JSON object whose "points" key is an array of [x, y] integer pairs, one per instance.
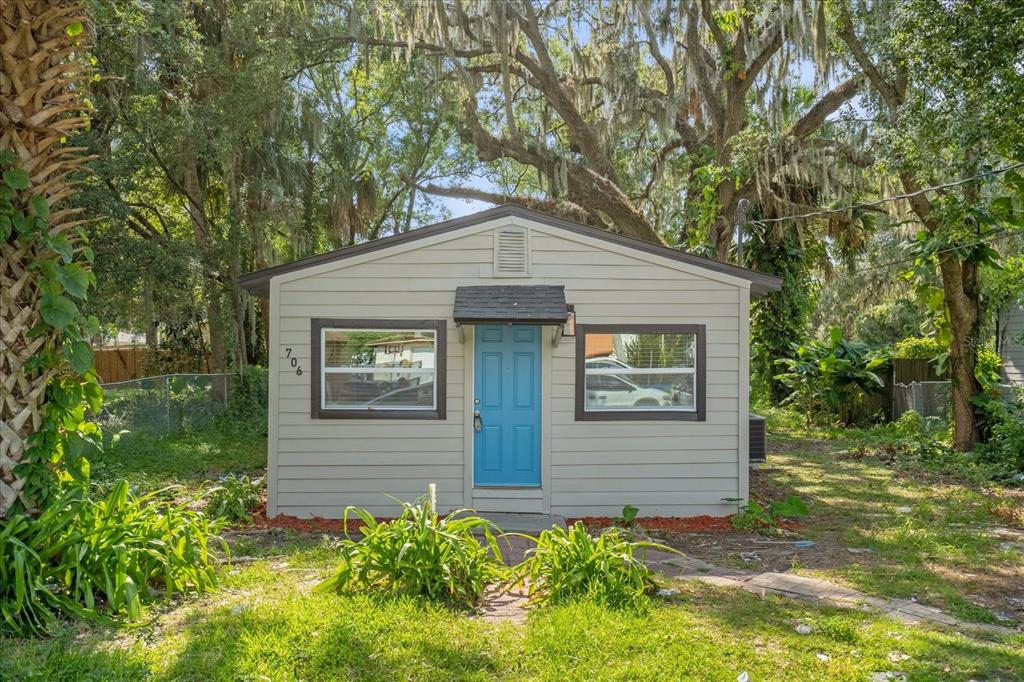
{"points": [[932, 398], [164, 404]]}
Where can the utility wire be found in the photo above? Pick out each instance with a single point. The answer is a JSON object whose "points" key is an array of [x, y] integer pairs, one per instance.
{"points": [[896, 197], [994, 235]]}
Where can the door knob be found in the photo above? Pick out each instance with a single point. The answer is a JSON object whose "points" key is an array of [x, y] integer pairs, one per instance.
{"points": [[478, 423]]}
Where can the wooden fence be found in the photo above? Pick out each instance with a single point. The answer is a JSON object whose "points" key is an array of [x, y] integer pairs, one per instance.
{"points": [[119, 364], [126, 364], [899, 371]]}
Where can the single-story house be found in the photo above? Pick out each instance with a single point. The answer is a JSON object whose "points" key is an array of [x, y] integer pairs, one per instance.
{"points": [[1010, 342], [521, 362]]}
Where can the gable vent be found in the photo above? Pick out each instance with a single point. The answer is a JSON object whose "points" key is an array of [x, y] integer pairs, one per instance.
{"points": [[511, 252]]}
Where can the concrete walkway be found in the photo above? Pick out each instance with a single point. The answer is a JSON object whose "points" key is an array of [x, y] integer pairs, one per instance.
{"points": [[809, 589], [512, 605]]}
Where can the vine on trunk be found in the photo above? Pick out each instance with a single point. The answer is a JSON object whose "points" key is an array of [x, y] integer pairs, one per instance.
{"points": [[59, 357]]}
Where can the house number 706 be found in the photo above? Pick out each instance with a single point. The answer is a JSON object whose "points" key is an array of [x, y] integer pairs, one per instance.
{"points": [[293, 361]]}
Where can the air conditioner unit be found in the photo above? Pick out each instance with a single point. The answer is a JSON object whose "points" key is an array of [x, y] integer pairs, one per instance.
{"points": [[758, 442]]}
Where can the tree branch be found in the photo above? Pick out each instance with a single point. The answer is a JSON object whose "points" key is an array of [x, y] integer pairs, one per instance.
{"points": [[825, 107], [760, 61], [566, 209], [888, 91]]}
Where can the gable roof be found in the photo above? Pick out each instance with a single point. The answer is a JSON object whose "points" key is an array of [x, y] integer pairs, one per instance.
{"points": [[258, 282]]}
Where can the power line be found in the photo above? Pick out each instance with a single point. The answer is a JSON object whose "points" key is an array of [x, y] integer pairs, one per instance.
{"points": [[896, 197], [994, 235]]}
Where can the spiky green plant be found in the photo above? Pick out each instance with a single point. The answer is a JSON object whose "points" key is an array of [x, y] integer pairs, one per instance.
{"points": [[449, 558], [567, 564], [99, 559]]}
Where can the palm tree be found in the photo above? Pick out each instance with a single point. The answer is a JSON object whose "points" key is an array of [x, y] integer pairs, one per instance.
{"points": [[42, 103]]}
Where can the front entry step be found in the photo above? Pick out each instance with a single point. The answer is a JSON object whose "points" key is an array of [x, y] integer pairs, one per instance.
{"points": [[513, 522]]}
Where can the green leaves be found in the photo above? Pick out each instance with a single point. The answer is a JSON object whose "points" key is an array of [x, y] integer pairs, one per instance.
{"points": [[420, 553], [569, 564], [98, 558], [16, 179], [79, 355], [57, 311], [830, 379], [75, 279], [40, 206]]}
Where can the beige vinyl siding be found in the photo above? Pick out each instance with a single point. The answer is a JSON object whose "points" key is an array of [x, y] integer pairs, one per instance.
{"points": [[1013, 344], [588, 468]]}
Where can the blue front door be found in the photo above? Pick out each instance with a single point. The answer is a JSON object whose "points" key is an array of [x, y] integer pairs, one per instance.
{"points": [[506, 438]]}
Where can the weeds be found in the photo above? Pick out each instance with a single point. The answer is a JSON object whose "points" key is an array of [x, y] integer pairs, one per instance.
{"points": [[235, 498]]}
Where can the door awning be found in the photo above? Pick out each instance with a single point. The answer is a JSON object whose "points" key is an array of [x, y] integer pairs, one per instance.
{"points": [[537, 304]]}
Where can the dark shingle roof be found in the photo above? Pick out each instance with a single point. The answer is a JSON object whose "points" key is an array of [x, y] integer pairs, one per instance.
{"points": [[538, 304]]}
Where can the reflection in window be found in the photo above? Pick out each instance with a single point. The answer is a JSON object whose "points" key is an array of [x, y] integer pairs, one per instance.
{"points": [[378, 369], [642, 371]]}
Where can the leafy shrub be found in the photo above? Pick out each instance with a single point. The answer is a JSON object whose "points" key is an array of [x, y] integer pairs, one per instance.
{"points": [[932, 349], [909, 425], [100, 558], [247, 400], [420, 553], [918, 348], [569, 564], [765, 519], [235, 498], [1004, 450], [829, 379]]}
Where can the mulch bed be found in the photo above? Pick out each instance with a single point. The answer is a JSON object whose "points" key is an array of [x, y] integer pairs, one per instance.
{"points": [[312, 525], [672, 524]]}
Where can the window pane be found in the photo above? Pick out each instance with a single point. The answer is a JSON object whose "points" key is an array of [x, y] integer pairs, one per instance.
{"points": [[621, 371], [380, 390], [367, 348], [618, 392]]}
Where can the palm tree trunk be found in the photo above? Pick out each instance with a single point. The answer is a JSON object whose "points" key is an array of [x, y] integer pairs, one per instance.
{"points": [[41, 104]]}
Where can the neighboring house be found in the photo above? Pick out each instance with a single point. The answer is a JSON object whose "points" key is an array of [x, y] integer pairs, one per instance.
{"points": [[1010, 340], [446, 355]]}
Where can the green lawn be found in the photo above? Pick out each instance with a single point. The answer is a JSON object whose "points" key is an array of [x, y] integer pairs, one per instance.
{"points": [[264, 622], [932, 537], [152, 461]]}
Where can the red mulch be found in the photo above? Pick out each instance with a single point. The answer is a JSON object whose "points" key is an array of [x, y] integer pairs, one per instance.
{"points": [[678, 524], [312, 525], [672, 524]]}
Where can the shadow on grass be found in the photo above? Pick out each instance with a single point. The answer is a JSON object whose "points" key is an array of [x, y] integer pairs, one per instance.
{"points": [[332, 637], [914, 527]]}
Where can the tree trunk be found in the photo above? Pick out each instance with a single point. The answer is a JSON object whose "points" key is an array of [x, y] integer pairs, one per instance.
{"points": [[42, 97], [152, 324], [201, 228], [960, 286]]}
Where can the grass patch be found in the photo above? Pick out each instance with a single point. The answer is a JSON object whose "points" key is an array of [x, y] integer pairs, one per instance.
{"points": [[266, 623], [186, 458], [929, 532]]}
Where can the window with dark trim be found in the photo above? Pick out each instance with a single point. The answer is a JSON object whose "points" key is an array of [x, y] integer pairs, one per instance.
{"points": [[378, 369], [640, 372]]}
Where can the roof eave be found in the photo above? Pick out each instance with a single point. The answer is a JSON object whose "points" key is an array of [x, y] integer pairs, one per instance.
{"points": [[258, 282]]}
